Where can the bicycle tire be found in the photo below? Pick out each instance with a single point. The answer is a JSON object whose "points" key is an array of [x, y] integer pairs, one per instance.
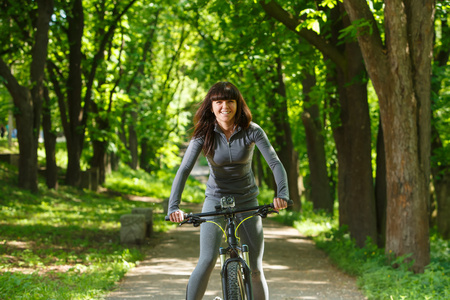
{"points": [[235, 282]]}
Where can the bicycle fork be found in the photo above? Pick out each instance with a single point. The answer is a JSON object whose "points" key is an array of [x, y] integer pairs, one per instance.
{"points": [[239, 254]]}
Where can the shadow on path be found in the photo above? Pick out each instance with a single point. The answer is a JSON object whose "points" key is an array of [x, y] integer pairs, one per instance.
{"points": [[294, 269]]}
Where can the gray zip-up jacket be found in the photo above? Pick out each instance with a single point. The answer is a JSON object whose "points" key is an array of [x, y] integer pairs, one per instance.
{"points": [[230, 168]]}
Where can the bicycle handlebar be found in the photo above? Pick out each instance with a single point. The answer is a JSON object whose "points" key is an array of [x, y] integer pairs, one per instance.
{"points": [[221, 212]]}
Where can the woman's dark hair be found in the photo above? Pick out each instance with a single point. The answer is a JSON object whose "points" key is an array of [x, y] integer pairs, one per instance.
{"points": [[205, 119]]}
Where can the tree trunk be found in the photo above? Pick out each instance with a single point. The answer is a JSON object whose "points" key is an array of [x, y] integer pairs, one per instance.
{"points": [[380, 189], [100, 143], [133, 141], [441, 180], [74, 130], [78, 113], [29, 101], [144, 158], [320, 185], [99, 159], [440, 171], [27, 140], [402, 82], [134, 83], [443, 205], [353, 138], [353, 142], [288, 155], [51, 169]]}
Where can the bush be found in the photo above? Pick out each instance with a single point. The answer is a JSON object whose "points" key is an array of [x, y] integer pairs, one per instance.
{"points": [[63, 244], [381, 279]]}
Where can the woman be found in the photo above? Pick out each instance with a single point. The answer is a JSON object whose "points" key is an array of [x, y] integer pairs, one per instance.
{"points": [[225, 132]]}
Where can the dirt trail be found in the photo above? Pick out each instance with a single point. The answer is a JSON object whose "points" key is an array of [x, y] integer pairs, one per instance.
{"points": [[294, 269]]}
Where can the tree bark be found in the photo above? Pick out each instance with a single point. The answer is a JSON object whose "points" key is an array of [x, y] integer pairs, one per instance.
{"points": [[402, 82], [320, 186]]}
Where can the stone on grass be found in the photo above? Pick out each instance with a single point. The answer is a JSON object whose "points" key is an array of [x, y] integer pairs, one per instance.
{"points": [[148, 213], [132, 229]]}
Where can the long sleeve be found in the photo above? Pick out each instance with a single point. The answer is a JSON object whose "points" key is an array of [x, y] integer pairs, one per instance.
{"points": [[188, 162], [271, 157]]}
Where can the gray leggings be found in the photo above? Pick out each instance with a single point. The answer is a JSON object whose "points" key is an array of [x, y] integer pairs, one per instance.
{"points": [[211, 236]]}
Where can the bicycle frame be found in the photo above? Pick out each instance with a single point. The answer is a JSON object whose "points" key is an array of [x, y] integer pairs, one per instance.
{"points": [[235, 252]]}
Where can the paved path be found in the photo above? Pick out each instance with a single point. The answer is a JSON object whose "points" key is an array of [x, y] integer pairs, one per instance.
{"points": [[294, 268]]}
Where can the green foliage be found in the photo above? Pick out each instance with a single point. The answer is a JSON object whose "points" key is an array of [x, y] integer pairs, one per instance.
{"points": [[62, 244], [377, 277], [157, 184], [308, 222], [79, 282], [358, 28], [381, 279]]}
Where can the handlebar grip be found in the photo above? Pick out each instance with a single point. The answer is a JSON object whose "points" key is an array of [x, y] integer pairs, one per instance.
{"points": [[167, 218]]}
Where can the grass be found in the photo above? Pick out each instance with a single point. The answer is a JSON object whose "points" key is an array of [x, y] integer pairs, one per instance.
{"points": [[381, 279], [376, 277], [138, 182], [65, 244], [6, 148]]}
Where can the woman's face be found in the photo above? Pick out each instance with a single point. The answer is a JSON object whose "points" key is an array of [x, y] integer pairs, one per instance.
{"points": [[224, 110]]}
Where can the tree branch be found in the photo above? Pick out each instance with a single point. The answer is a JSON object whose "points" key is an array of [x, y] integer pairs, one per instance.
{"points": [[273, 9]]}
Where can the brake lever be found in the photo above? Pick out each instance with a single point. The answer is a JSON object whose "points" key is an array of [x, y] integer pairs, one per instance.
{"points": [[196, 221], [184, 222], [265, 211]]}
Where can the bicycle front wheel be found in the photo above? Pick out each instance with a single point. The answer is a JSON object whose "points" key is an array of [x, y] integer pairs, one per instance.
{"points": [[235, 282]]}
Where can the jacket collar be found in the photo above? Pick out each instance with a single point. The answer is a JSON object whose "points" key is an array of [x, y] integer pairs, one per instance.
{"points": [[219, 130]]}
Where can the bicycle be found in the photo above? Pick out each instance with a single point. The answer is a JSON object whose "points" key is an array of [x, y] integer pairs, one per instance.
{"points": [[235, 271]]}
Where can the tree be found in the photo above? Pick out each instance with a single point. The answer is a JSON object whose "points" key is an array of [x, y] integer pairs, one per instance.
{"points": [[320, 186], [352, 131], [142, 55], [440, 167], [51, 167], [75, 83], [28, 96], [283, 135], [242, 47], [400, 68]]}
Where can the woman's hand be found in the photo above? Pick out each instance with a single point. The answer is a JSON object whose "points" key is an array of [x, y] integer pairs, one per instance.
{"points": [[279, 203], [177, 216]]}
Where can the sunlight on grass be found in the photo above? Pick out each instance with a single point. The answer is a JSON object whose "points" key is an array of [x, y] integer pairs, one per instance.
{"points": [[378, 278], [308, 222], [381, 279], [64, 244], [158, 185]]}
